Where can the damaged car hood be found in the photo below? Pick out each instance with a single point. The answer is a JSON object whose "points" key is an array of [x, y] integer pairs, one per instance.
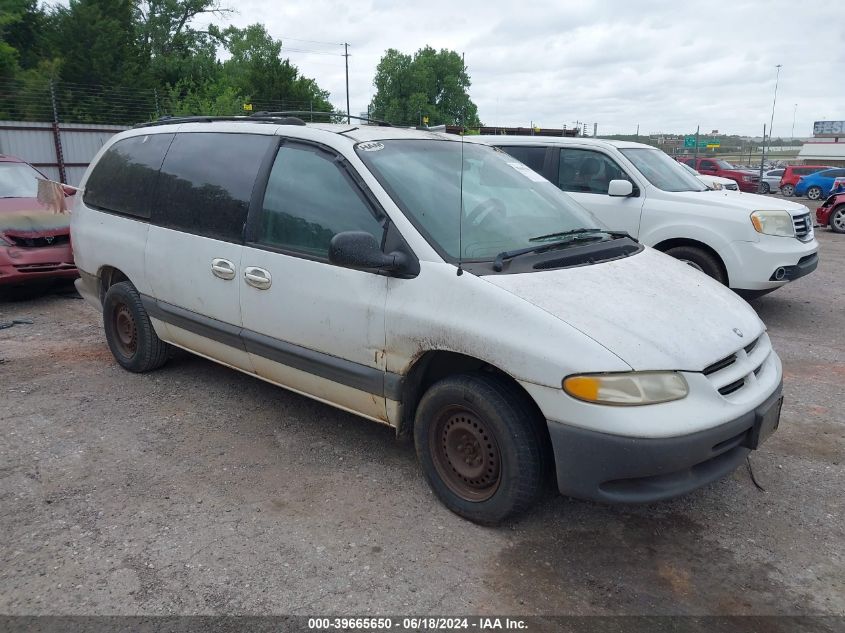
{"points": [[27, 218], [652, 311]]}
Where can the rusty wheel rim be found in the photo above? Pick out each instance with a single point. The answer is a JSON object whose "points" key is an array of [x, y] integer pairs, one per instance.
{"points": [[465, 454], [126, 332]]}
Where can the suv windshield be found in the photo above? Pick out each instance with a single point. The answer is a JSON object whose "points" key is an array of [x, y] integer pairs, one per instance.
{"points": [[661, 171], [505, 203], [18, 180]]}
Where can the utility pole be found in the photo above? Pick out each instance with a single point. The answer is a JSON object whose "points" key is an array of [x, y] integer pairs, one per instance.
{"points": [[763, 158], [637, 135], [794, 110], [695, 156], [774, 100], [346, 59]]}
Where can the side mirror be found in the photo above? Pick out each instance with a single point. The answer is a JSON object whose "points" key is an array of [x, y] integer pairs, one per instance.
{"points": [[620, 188], [360, 250]]}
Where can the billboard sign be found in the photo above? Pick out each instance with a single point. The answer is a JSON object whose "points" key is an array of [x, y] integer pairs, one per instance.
{"points": [[829, 129]]}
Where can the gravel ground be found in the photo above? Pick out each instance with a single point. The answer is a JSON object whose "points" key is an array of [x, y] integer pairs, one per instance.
{"points": [[199, 490]]}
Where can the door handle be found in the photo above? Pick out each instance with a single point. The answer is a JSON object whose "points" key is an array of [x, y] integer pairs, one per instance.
{"points": [[222, 268], [257, 277]]}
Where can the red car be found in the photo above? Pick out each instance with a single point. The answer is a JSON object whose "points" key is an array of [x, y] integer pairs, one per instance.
{"points": [[793, 173], [34, 237], [747, 179], [832, 213]]}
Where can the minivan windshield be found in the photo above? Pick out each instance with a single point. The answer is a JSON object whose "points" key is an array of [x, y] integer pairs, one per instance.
{"points": [[504, 206], [662, 171]]}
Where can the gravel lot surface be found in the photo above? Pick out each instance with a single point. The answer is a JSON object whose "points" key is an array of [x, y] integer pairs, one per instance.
{"points": [[199, 490]]}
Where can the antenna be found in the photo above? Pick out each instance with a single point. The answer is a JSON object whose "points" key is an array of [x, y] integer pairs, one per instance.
{"points": [[461, 212]]}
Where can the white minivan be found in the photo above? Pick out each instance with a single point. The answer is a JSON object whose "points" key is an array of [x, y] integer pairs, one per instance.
{"points": [[436, 286], [753, 244]]}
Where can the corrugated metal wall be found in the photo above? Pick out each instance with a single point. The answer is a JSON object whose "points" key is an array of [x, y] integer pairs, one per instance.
{"points": [[36, 144]]}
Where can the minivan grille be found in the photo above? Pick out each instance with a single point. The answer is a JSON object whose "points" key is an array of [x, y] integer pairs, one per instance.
{"points": [[38, 242], [733, 373], [803, 226]]}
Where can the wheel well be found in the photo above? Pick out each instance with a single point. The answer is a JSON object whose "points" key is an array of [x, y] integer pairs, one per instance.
{"points": [[436, 365], [108, 277], [683, 241]]}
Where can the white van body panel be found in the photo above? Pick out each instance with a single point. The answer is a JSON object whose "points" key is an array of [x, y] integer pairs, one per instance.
{"points": [[679, 331]]}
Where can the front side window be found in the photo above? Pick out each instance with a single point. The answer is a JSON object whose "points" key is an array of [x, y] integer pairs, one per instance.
{"points": [[125, 178], [708, 165], [586, 171], [477, 207], [661, 171], [206, 183], [309, 199], [18, 180]]}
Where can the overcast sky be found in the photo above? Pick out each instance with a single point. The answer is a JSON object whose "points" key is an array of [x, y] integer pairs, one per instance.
{"points": [[667, 66]]}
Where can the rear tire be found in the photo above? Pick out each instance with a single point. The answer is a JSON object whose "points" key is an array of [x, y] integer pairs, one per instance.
{"points": [[701, 260], [480, 446], [129, 332], [788, 190], [837, 219], [814, 193]]}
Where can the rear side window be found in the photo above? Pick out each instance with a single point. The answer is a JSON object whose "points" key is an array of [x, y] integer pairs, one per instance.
{"points": [[124, 179], [534, 157], [206, 183], [309, 199]]}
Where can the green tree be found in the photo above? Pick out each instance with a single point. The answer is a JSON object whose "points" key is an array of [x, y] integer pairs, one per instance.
{"points": [[257, 70], [429, 84]]}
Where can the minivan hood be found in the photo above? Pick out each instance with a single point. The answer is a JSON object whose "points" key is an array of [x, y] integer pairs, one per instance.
{"points": [[649, 309], [27, 217]]}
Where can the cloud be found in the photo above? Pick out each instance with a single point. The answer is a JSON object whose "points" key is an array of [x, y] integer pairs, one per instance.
{"points": [[666, 67]]}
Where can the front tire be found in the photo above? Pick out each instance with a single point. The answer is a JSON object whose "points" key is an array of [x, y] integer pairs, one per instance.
{"points": [[129, 332], [764, 188], [479, 444], [814, 193], [788, 190], [837, 219], [701, 260]]}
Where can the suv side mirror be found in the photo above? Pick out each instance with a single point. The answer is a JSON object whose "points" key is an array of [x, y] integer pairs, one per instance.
{"points": [[620, 188], [360, 250]]}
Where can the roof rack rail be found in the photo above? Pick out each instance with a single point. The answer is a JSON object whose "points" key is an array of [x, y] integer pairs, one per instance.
{"points": [[301, 113], [258, 117]]}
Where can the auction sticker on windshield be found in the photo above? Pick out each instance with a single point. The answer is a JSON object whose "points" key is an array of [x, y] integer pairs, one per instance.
{"points": [[371, 147], [527, 172]]}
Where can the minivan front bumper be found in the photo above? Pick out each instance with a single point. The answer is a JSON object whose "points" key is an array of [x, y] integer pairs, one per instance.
{"points": [[620, 469]]}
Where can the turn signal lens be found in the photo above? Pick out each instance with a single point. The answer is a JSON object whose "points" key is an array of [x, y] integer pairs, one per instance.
{"points": [[627, 389]]}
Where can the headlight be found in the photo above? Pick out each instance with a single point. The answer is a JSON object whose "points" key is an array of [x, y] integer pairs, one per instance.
{"points": [[627, 389], [773, 223], [4, 242], [747, 179], [715, 186]]}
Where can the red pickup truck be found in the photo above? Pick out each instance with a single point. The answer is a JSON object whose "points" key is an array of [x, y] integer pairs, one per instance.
{"points": [[747, 179]]}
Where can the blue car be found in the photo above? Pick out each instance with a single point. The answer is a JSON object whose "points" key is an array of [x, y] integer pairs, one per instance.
{"points": [[817, 186]]}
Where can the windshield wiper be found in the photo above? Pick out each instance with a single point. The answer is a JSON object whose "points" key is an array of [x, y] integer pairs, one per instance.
{"points": [[577, 232], [573, 235]]}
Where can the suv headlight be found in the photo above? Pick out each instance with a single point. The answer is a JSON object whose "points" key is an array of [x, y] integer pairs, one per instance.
{"points": [[747, 179], [773, 223], [715, 186], [628, 388]]}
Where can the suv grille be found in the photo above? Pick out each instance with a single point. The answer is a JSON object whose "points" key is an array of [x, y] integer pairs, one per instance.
{"points": [[732, 374], [803, 226]]}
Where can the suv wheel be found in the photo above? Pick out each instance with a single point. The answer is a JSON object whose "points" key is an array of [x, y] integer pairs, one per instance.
{"points": [[788, 190], [129, 333], [814, 193], [479, 445], [837, 219], [764, 188], [700, 260]]}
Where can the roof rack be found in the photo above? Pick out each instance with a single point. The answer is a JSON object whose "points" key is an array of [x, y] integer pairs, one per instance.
{"points": [[287, 117], [301, 113], [258, 117]]}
